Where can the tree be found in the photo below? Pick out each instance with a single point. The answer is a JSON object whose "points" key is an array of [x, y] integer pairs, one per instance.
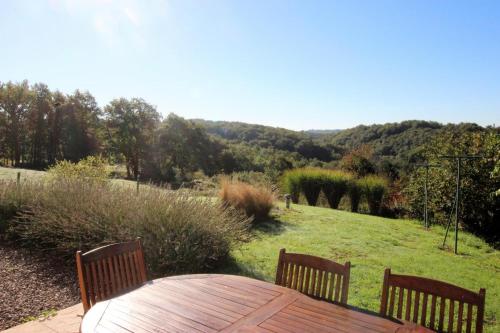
{"points": [[131, 125], [37, 124], [80, 126], [479, 206], [359, 161], [15, 99], [186, 147]]}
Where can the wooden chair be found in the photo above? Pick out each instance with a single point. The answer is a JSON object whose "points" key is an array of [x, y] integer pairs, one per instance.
{"points": [[109, 271], [314, 276], [432, 303]]}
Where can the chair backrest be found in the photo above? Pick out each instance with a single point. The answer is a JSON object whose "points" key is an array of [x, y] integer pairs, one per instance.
{"points": [[109, 271], [314, 276], [438, 305]]}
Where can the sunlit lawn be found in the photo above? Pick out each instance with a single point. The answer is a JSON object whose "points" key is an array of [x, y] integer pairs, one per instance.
{"points": [[372, 244]]}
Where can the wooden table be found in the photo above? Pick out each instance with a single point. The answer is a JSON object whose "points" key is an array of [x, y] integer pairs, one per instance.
{"points": [[227, 303]]}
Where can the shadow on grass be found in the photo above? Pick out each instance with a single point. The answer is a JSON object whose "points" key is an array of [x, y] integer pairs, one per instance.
{"points": [[230, 266], [271, 226]]}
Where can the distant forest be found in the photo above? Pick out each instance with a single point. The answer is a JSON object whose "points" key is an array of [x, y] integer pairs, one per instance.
{"points": [[39, 126]]}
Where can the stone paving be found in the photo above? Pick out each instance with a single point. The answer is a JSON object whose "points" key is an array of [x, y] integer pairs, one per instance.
{"points": [[65, 321]]}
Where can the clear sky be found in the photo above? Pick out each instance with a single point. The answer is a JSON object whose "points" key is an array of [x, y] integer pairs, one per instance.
{"points": [[294, 64]]}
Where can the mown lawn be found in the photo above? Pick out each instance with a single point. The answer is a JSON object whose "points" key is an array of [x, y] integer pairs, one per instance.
{"points": [[372, 244]]}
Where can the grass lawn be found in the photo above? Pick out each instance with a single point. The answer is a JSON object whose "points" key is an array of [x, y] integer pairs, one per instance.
{"points": [[372, 244], [11, 173]]}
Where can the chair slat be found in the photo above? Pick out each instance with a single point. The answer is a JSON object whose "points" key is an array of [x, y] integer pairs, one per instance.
{"points": [[469, 318], [337, 288], [433, 312], [416, 307], [391, 303], [313, 276], [400, 302], [424, 309], [408, 304], [451, 316], [109, 271], [300, 286], [460, 318], [441, 314]]}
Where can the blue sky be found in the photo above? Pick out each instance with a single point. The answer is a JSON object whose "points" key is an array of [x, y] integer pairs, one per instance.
{"points": [[293, 64]]}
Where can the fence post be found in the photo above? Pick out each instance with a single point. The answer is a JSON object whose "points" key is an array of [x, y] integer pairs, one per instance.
{"points": [[287, 200], [137, 178], [18, 180]]}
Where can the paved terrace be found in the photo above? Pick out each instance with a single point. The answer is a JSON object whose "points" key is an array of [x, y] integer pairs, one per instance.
{"points": [[66, 321]]}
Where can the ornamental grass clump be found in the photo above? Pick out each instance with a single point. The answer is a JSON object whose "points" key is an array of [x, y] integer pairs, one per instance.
{"points": [[305, 180], [373, 188], [255, 202], [354, 193], [180, 233], [335, 185], [291, 184]]}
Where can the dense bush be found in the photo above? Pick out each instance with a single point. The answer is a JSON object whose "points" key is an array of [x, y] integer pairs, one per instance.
{"points": [[256, 202], [180, 233], [90, 168], [335, 185], [373, 188]]}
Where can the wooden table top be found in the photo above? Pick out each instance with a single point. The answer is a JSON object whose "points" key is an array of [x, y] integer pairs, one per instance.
{"points": [[227, 303]]}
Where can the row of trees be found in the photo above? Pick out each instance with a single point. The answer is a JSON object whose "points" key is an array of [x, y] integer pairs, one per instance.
{"points": [[39, 127]]}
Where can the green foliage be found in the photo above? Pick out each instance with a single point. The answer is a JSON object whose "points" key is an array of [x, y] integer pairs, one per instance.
{"points": [[335, 185], [291, 184], [180, 148], [307, 180], [373, 188], [131, 124], [479, 206], [354, 192], [180, 233], [359, 161], [311, 181], [255, 202], [89, 168]]}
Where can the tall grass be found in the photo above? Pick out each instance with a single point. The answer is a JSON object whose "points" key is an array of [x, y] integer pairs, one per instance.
{"points": [[335, 185], [256, 202], [180, 233], [354, 192], [373, 188], [291, 184], [311, 181], [307, 181]]}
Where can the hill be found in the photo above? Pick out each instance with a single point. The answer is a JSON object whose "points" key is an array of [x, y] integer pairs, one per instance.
{"points": [[397, 142]]}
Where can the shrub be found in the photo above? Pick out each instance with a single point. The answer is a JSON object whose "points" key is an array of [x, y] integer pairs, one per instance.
{"points": [[335, 185], [305, 180], [310, 183], [256, 202], [90, 168], [373, 188], [180, 233], [354, 192]]}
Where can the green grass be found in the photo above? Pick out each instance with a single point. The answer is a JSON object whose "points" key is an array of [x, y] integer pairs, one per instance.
{"points": [[11, 173], [372, 244]]}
